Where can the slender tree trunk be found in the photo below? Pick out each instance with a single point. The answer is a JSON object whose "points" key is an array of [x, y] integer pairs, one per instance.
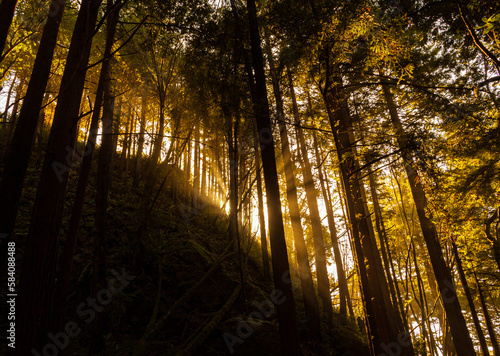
{"points": [[116, 128], [196, 174], [204, 165], [188, 168], [458, 327], [493, 238], [487, 318], [39, 135], [287, 318], [19, 150], [13, 118], [304, 269], [130, 147], [38, 274], [312, 203], [5, 119], [343, 262], [125, 143], [64, 274], [343, 290], [421, 295], [140, 143], [470, 300], [262, 221], [7, 9], [382, 326], [380, 226], [103, 184]]}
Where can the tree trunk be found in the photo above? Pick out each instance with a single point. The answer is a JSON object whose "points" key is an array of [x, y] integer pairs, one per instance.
{"points": [[487, 318], [312, 203], [204, 165], [130, 147], [7, 103], [64, 274], [38, 274], [19, 150], [470, 300], [343, 289], [493, 238], [380, 226], [304, 269], [12, 123], [287, 318], [382, 326], [103, 184], [125, 143], [196, 174], [458, 327], [348, 233], [7, 9], [116, 128], [262, 221], [140, 143]]}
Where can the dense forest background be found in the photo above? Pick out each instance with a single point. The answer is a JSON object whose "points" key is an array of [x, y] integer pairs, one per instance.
{"points": [[212, 177]]}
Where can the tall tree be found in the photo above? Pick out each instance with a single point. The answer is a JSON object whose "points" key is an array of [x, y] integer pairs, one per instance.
{"points": [[7, 8], [382, 321], [19, 150], [287, 317], [342, 281], [103, 184], [312, 204], [66, 262], [304, 269], [262, 220], [458, 327], [38, 274]]}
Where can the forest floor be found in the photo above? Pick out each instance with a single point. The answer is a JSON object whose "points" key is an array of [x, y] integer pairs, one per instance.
{"points": [[181, 245]]}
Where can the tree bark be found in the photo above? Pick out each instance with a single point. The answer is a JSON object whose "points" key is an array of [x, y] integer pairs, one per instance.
{"points": [[7, 9], [287, 318]]}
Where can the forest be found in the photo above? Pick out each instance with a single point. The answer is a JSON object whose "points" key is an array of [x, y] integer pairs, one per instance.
{"points": [[250, 177]]}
